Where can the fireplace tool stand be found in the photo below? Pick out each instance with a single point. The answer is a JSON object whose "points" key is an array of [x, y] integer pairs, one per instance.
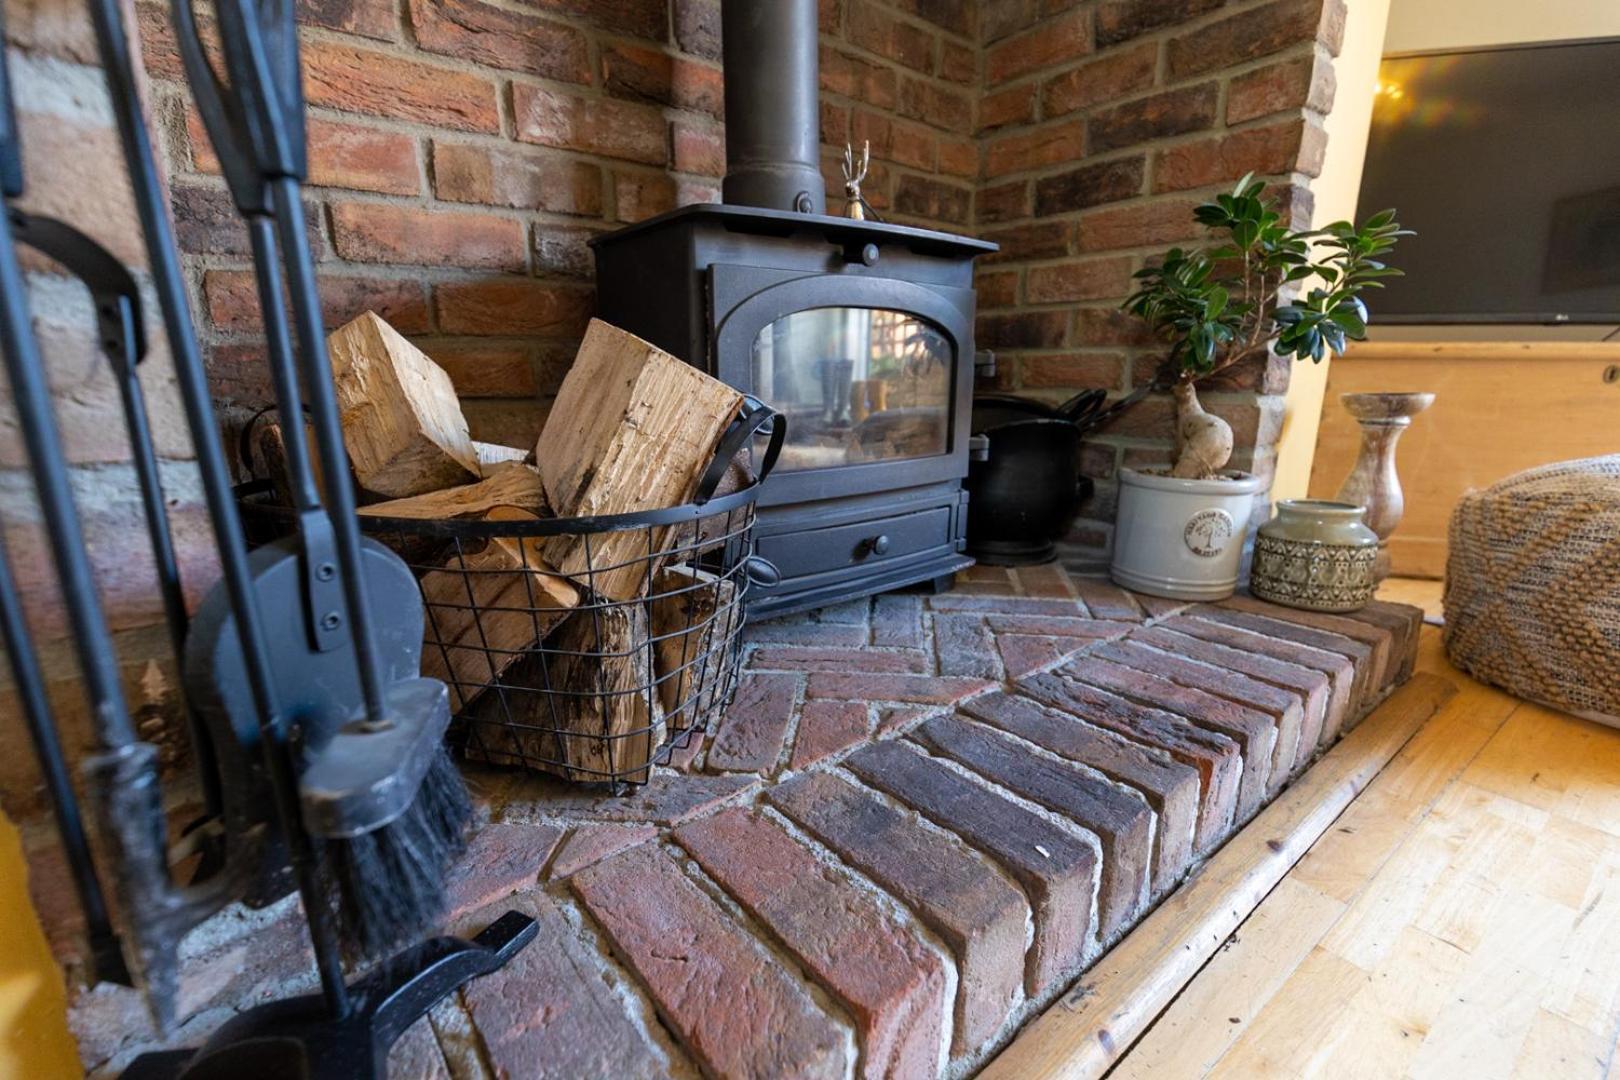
{"points": [[347, 1029]]}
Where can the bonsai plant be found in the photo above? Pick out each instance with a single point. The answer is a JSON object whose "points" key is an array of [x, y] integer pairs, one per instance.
{"points": [[1216, 308]]}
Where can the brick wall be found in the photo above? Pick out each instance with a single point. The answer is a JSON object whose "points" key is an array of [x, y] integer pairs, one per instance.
{"points": [[464, 151], [1101, 125]]}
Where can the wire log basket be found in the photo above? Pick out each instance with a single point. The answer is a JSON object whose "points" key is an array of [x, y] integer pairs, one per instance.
{"points": [[550, 673]]}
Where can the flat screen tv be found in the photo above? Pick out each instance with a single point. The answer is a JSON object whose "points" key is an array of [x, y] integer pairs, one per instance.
{"points": [[1507, 163]]}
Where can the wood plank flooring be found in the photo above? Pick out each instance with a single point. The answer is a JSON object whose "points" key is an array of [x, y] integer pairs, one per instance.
{"points": [[1460, 919]]}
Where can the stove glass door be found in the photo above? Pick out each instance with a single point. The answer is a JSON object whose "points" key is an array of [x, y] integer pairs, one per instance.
{"points": [[857, 384]]}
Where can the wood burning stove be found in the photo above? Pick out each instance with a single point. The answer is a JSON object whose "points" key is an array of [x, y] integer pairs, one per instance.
{"points": [[861, 333]]}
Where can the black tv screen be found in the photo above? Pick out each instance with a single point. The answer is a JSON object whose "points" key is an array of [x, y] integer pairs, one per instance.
{"points": [[1507, 163]]}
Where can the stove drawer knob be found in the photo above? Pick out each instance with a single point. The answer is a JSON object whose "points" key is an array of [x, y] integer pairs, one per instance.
{"points": [[878, 545], [869, 254]]}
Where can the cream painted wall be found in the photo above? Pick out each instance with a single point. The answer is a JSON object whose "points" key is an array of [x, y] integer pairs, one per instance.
{"points": [[1424, 25], [1356, 75]]}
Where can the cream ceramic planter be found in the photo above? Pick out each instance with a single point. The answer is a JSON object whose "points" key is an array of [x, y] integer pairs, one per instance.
{"points": [[1181, 539]]}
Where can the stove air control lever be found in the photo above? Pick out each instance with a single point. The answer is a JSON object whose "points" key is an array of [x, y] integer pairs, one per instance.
{"points": [[877, 545]]}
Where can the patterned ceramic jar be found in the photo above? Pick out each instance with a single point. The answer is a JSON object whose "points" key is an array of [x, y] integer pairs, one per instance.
{"points": [[1316, 555]]}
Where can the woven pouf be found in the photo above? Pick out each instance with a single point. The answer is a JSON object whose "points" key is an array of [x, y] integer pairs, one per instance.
{"points": [[1533, 586]]}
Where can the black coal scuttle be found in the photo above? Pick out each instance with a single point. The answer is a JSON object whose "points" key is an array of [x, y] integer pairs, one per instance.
{"points": [[861, 333]]}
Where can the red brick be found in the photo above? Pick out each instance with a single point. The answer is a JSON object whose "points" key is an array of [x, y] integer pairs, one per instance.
{"points": [[1111, 327], [385, 233], [1134, 225], [549, 1012], [899, 141], [932, 104], [897, 621], [958, 63], [646, 19], [919, 196], [879, 31], [751, 733], [1404, 621], [1170, 787], [954, 892], [920, 689], [1063, 626], [1016, 605], [731, 1005], [480, 370], [233, 301], [1003, 202], [592, 125], [416, 1053], [659, 78], [1045, 579], [1109, 77], [367, 18], [1056, 870], [883, 974], [641, 195], [671, 801], [360, 80], [340, 156], [1293, 146], [1283, 87], [810, 658], [959, 157], [1023, 330], [1009, 107], [492, 176], [1120, 820], [964, 646], [1026, 654], [1090, 185], [854, 77], [1255, 732], [698, 149], [1312, 687], [590, 844], [1039, 148], [697, 25], [1216, 757], [500, 860], [1122, 20], [1091, 279], [501, 38], [508, 306], [996, 290], [782, 632], [1362, 656], [1106, 600], [825, 728], [1039, 240], [1254, 33], [1173, 112], [1338, 670], [1065, 38], [1381, 641]]}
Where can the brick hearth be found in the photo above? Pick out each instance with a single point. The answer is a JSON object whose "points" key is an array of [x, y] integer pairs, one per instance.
{"points": [[922, 818]]}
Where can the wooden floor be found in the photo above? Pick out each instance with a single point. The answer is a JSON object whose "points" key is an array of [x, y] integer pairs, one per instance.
{"points": [[1460, 919]]}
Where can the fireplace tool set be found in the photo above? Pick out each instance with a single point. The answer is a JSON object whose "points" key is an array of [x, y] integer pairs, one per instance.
{"points": [[319, 750]]}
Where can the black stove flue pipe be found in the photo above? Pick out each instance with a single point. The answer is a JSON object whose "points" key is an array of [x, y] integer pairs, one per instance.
{"points": [[773, 109]]}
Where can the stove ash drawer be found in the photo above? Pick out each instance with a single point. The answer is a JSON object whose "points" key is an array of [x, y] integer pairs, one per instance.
{"points": [[868, 544]]}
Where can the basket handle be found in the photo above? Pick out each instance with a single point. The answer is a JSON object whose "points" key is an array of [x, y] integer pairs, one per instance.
{"points": [[756, 417]]}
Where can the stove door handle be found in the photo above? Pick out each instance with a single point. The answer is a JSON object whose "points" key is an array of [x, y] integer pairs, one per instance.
{"points": [[761, 571]]}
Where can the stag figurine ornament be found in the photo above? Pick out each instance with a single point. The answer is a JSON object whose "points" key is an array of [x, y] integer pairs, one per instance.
{"points": [[855, 205]]}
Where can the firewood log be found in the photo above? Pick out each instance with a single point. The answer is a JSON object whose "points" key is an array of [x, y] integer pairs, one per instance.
{"points": [[485, 608], [581, 707], [690, 614], [402, 423], [510, 484], [632, 429], [491, 456]]}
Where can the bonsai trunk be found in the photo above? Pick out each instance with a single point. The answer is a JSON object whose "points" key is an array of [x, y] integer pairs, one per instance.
{"points": [[1203, 441]]}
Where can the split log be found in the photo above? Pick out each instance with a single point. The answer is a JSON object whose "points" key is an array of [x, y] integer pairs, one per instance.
{"points": [[492, 456], [513, 484], [632, 429], [690, 615], [581, 707], [486, 609], [402, 423], [268, 451]]}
